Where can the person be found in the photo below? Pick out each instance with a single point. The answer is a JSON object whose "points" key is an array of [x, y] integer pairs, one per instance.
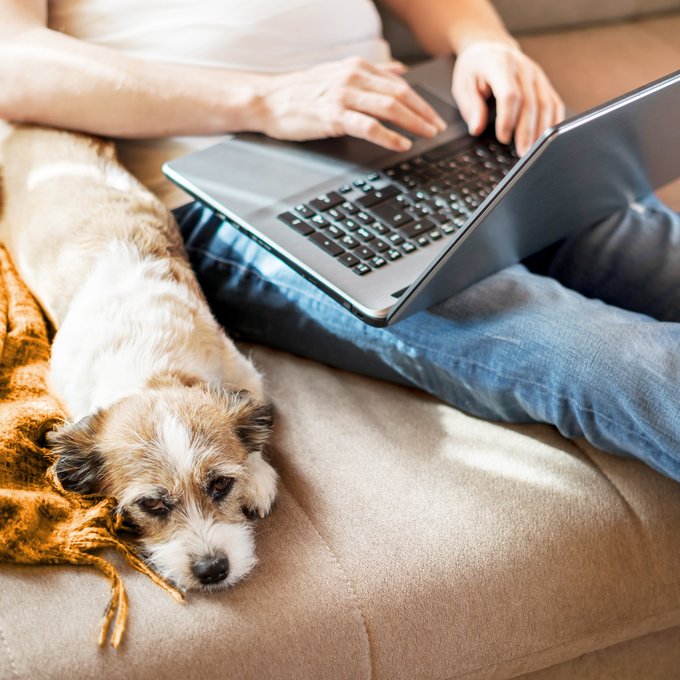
{"points": [[583, 337]]}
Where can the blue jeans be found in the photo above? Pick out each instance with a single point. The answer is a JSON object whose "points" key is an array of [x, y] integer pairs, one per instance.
{"points": [[584, 336]]}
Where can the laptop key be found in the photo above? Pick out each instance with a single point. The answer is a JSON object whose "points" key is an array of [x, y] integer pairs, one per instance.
{"points": [[364, 253], [377, 196], [416, 228], [349, 208], [296, 223], [334, 231], [327, 201], [379, 228], [361, 269], [349, 242], [392, 212], [320, 221], [304, 210], [288, 218], [326, 244], [377, 262], [348, 259], [364, 234]]}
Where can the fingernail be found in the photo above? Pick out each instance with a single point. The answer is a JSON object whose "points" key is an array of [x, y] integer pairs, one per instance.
{"points": [[473, 127], [432, 131], [405, 144]]}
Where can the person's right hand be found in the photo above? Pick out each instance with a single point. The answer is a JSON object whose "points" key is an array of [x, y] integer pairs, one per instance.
{"points": [[348, 97]]}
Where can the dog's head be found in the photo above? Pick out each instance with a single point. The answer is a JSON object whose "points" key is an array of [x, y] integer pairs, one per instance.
{"points": [[183, 462]]}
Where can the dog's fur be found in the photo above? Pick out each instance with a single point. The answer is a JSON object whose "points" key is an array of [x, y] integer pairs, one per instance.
{"points": [[165, 414]]}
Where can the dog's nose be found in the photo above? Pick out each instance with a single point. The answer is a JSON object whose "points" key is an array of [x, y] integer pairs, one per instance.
{"points": [[211, 569]]}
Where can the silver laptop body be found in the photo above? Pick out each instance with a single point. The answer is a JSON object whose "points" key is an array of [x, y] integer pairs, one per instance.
{"points": [[577, 173]]}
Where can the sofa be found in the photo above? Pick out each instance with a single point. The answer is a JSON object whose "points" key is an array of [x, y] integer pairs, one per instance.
{"points": [[410, 540]]}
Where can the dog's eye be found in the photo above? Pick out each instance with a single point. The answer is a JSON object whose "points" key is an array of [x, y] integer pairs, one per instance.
{"points": [[219, 487], [154, 506]]}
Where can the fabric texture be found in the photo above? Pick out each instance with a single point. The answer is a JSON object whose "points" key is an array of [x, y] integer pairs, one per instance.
{"points": [[40, 522]]}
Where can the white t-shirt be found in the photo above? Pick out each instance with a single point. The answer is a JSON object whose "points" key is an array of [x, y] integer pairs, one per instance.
{"points": [[248, 35]]}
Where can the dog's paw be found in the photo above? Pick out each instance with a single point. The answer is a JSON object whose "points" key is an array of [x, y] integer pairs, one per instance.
{"points": [[261, 492]]}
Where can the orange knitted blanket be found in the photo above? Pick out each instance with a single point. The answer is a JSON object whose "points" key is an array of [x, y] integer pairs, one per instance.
{"points": [[40, 522]]}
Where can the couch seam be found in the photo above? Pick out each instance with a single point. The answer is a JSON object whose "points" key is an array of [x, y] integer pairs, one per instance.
{"points": [[345, 578], [12, 664]]}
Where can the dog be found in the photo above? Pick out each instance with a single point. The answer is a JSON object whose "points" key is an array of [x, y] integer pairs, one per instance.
{"points": [[165, 414]]}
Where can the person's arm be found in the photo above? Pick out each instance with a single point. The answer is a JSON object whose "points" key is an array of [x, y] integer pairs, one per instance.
{"points": [[489, 61], [52, 79]]}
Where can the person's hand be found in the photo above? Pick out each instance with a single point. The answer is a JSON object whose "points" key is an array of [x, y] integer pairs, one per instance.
{"points": [[526, 103], [348, 97]]}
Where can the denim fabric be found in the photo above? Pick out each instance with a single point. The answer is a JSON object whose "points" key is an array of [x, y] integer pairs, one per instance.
{"points": [[586, 340]]}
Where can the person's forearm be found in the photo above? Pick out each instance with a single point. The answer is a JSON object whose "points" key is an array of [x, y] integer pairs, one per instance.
{"points": [[444, 26], [51, 79]]}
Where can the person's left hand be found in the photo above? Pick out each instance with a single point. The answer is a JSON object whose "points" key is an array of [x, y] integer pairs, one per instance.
{"points": [[526, 102]]}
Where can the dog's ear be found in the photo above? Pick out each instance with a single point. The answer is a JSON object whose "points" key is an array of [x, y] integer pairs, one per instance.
{"points": [[253, 419], [79, 465]]}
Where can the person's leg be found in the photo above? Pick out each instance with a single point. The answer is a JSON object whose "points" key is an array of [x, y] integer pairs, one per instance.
{"points": [[631, 260], [516, 347]]}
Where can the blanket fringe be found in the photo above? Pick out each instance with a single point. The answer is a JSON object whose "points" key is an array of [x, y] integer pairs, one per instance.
{"points": [[96, 529]]}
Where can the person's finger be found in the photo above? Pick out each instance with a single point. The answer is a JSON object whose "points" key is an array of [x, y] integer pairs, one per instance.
{"points": [[357, 124], [506, 90], [394, 67], [471, 101], [528, 120], [401, 90], [557, 105], [547, 112], [560, 110], [388, 108]]}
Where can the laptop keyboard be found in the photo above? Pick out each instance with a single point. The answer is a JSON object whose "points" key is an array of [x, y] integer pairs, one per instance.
{"points": [[386, 215]]}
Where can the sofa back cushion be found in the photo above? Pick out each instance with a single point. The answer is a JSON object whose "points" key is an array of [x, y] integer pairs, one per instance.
{"points": [[522, 16]]}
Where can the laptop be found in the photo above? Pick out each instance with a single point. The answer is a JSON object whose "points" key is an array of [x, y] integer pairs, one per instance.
{"points": [[387, 234]]}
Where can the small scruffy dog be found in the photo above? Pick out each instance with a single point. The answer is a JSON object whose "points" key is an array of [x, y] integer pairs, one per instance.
{"points": [[165, 414]]}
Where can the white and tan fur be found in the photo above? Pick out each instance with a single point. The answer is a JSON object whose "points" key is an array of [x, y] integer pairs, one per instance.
{"points": [[165, 414]]}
